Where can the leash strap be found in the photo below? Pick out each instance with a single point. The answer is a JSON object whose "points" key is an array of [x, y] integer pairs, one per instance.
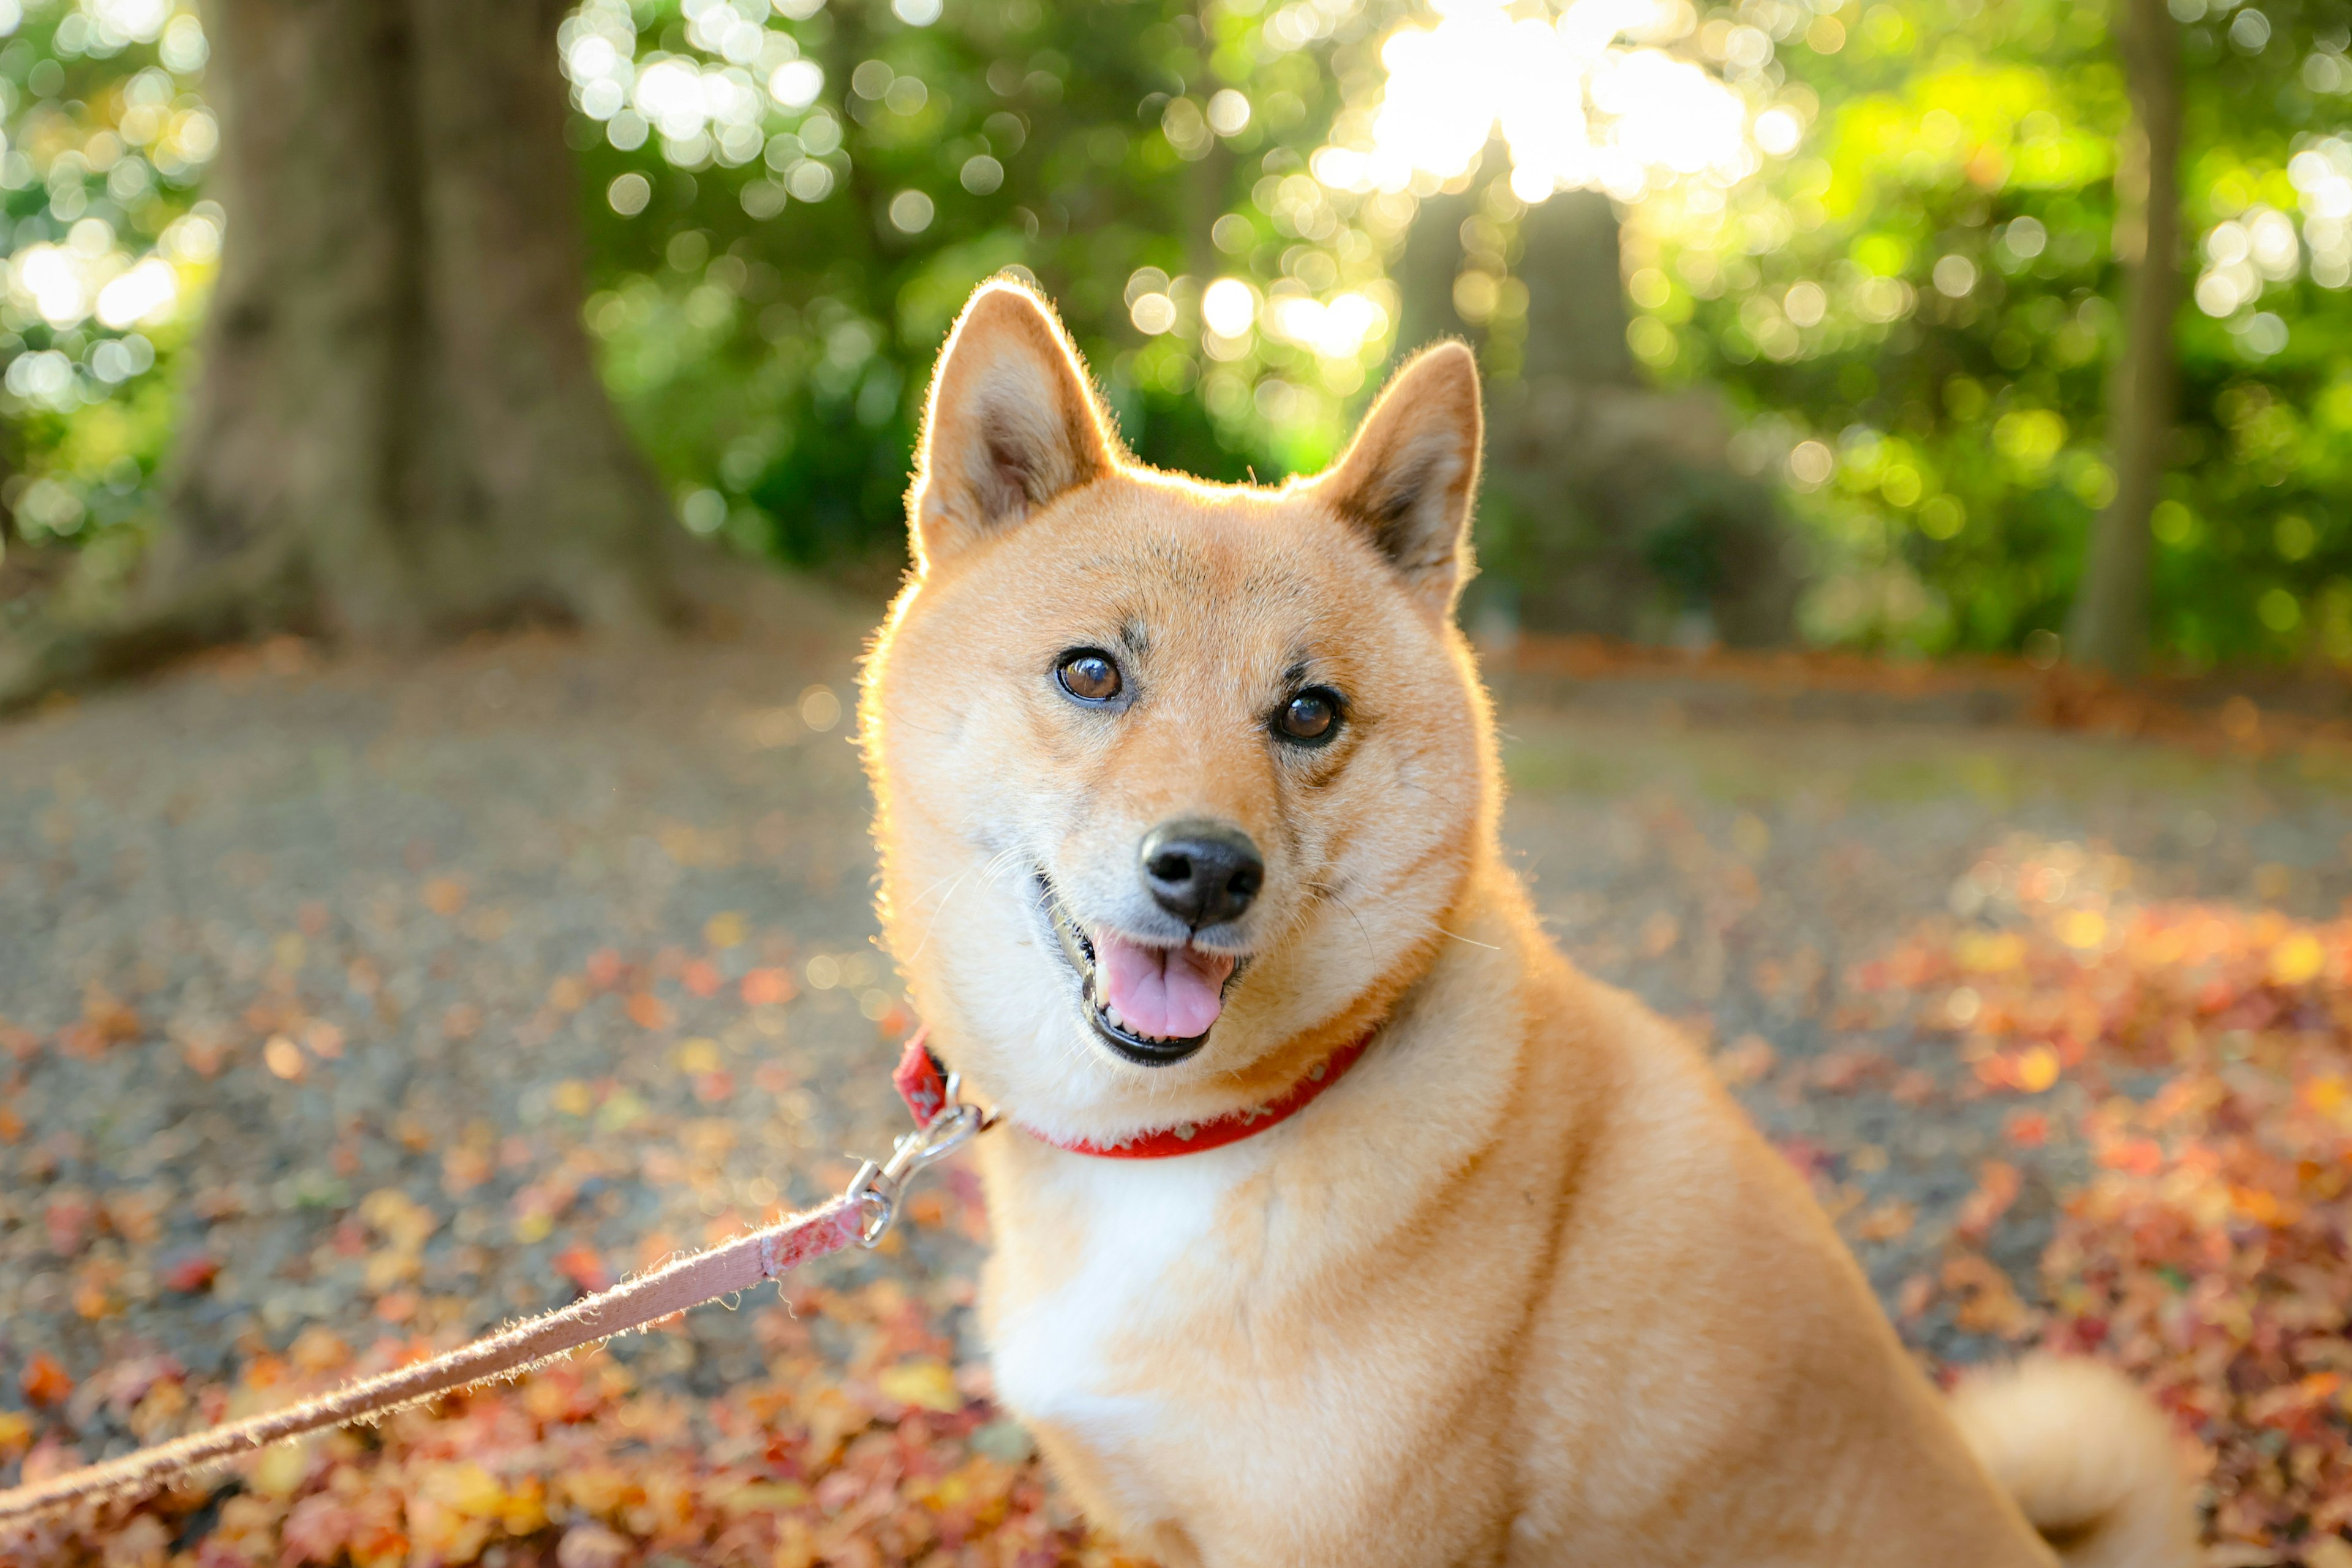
{"points": [[861, 1215]]}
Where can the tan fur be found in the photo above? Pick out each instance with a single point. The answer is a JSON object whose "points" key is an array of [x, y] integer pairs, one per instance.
{"points": [[1525, 1287], [2087, 1458]]}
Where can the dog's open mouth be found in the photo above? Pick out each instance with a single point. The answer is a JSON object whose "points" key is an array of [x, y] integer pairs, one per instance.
{"points": [[1152, 1005]]}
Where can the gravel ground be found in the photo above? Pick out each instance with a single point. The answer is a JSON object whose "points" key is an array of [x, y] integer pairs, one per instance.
{"points": [[401, 1000]]}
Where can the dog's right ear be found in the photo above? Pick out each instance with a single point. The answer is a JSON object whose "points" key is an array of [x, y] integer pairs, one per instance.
{"points": [[1011, 423]]}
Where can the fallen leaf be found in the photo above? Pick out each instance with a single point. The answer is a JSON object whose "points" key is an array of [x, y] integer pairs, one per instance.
{"points": [[44, 1381], [188, 1272], [583, 1269]]}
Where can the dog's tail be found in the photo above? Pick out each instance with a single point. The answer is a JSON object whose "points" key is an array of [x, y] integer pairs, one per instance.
{"points": [[2088, 1457]]}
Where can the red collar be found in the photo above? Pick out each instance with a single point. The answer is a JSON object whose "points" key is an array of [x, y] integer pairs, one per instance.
{"points": [[922, 1084]]}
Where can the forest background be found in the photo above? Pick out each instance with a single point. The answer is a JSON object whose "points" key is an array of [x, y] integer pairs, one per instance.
{"points": [[1806, 318]]}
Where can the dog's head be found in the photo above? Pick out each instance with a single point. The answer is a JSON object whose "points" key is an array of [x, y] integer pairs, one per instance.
{"points": [[1177, 781]]}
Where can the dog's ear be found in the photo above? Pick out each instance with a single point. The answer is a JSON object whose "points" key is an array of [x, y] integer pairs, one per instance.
{"points": [[1410, 477], [1011, 423]]}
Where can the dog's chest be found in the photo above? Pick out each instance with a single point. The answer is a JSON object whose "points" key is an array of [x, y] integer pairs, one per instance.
{"points": [[1063, 1340]]}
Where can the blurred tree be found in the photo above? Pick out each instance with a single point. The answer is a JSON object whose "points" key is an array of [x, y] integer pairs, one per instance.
{"points": [[104, 145], [1608, 508], [398, 430], [2109, 625], [1915, 309], [1881, 232], [797, 197]]}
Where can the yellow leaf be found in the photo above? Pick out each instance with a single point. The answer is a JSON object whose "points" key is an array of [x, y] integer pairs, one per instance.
{"points": [[2037, 1069], [468, 1489], [762, 1497], [524, 1512], [2331, 1097], [2297, 961], [1987, 952], [2082, 930], [278, 1472], [925, 1383]]}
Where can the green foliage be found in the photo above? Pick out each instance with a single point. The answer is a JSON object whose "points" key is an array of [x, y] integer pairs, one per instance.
{"points": [[1916, 307], [106, 142], [777, 260], [1910, 301]]}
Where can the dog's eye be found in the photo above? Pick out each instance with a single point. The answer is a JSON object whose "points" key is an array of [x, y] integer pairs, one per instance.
{"points": [[1089, 674], [1310, 718]]}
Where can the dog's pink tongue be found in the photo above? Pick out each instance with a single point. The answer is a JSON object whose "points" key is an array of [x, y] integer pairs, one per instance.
{"points": [[1173, 993]]}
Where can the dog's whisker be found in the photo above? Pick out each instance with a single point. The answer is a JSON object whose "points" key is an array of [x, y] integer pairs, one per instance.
{"points": [[1372, 953], [932, 923]]}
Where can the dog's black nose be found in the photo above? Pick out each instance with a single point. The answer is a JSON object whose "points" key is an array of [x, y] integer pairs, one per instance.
{"points": [[1203, 873]]}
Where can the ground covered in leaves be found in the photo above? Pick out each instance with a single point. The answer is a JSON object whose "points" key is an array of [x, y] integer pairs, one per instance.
{"points": [[348, 1011]]}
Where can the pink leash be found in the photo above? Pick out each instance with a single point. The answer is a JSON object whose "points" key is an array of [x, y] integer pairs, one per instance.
{"points": [[862, 1214]]}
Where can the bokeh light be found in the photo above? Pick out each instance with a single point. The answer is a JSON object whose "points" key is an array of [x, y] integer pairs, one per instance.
{"points": [[1590, 100]]}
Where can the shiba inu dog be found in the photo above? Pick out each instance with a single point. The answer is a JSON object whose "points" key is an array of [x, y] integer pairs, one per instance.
{"points": [[1340, 1220]]}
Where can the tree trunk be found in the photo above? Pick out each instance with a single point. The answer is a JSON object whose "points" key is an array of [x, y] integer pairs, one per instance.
{"points": [[2109, 624], [1571, 263], [1425, 274], [1608, 508], [398, 432]]}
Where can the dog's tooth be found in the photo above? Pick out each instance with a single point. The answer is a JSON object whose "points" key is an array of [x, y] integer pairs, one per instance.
{"points": [[1112, 1013]]}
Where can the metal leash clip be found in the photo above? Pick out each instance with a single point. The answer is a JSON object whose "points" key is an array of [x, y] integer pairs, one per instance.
{"points": [[877, 1189]]}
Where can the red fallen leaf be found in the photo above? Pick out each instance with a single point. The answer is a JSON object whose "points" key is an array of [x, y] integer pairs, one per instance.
{"points": [[189, 1272], [2027, 1129], [580, 1265], [1811, 1159], [767, 988], [605, 969], [67, 1219], [702, 978], [44, 1381], [648, 1011]]}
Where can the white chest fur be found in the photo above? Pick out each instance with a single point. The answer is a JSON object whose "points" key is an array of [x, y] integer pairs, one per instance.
{"points": [[1139, 1220]]}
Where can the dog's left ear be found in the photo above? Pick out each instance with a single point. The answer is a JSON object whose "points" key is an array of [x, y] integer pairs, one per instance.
{"points": [[1410, 477], [1011, 423]]}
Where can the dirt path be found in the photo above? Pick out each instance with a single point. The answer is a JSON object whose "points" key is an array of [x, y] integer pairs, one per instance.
{"points": [[389, 1002]]}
